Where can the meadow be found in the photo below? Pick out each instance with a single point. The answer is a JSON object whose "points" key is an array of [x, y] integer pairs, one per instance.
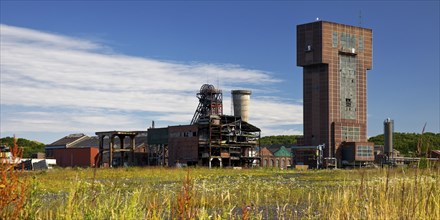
{"points": [[201, 193]]}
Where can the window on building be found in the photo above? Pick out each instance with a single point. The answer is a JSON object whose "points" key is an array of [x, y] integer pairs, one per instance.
{"points": [[265, 163], [343, 40], [349, 133], [348, 40], [361, 43], [347, 74], [335, 39], [364, 151], [348, 103], [352, 41]]}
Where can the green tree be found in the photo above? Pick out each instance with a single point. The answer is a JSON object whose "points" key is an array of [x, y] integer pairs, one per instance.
{"points": [[406, 143], [279, 139], [29, 147]]}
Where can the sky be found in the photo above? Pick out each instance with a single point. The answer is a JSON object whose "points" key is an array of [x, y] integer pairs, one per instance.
{"points": [[87, 66]]}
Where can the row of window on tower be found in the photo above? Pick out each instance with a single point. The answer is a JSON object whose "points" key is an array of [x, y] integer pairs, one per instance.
{"points": [[350, 133], [347, 40]]}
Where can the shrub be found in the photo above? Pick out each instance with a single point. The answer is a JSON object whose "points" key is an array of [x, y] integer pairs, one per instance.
{"points": [[12, 185]]}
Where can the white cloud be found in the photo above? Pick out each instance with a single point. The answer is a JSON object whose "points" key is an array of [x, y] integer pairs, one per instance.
{"points": [[74, 122], [269, 131], [17, 35], [43, 71]]}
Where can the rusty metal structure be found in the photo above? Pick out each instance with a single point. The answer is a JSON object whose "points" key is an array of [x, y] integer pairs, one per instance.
{"points": [[223, 140], [227, 141], [210, 103], [211, 139]]}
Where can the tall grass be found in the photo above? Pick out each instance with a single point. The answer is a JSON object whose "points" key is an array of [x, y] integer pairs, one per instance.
{"points": [[159, 193], [401, 195]]}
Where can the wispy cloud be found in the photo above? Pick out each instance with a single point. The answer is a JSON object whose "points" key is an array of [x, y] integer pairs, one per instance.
{"points": [[94, 88]]}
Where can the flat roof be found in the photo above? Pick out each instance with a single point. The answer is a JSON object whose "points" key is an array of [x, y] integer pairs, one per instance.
{"points": [[331, 22], [119, 132]]}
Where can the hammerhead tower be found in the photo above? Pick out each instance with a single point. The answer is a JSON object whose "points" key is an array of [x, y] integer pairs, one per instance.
{"points": [[335, 59]]}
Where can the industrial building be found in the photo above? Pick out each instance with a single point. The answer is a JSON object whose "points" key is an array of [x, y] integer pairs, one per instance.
{"points": [[68, 141], [335, 59], [80, 150], [276, 157], [310, 156], [75, 157], [212, 139]]}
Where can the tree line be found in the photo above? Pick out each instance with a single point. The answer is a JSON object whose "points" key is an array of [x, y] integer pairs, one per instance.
{"points": [[29, 147], [279, 139], [405, 143]]}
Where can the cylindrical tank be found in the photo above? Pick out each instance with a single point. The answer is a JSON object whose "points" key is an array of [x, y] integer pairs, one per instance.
{"points": [[240, 101], [388, 129]]}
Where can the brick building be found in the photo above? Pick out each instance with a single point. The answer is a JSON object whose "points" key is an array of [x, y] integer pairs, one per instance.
{"points": [[183, 145], [335, 59], [80, 150], [76, 157], [73, 150], [276, 156]]}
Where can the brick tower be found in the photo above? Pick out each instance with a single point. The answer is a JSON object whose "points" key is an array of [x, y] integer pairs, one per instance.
{"points": [[335, 59]]}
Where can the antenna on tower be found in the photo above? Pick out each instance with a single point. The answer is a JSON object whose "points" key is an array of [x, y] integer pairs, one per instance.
{"points": [[360, 18]]}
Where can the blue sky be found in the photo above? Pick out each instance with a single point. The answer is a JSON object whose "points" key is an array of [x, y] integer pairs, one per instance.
{"points": [[81, 67]]}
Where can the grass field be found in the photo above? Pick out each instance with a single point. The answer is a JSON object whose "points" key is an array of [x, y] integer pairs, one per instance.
{"points": [[200, 193]]}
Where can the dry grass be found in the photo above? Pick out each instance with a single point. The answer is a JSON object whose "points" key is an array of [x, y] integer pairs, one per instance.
{"points": [[186, 207], [160, 193]]}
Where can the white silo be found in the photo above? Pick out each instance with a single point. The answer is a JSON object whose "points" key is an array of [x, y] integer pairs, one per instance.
{"points": [[240, 101]]}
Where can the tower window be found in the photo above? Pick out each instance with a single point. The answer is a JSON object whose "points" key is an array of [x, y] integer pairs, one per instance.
{"points": [[335, 39], [348, 40], [348, 103], [361, 43], [348, 86]]}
